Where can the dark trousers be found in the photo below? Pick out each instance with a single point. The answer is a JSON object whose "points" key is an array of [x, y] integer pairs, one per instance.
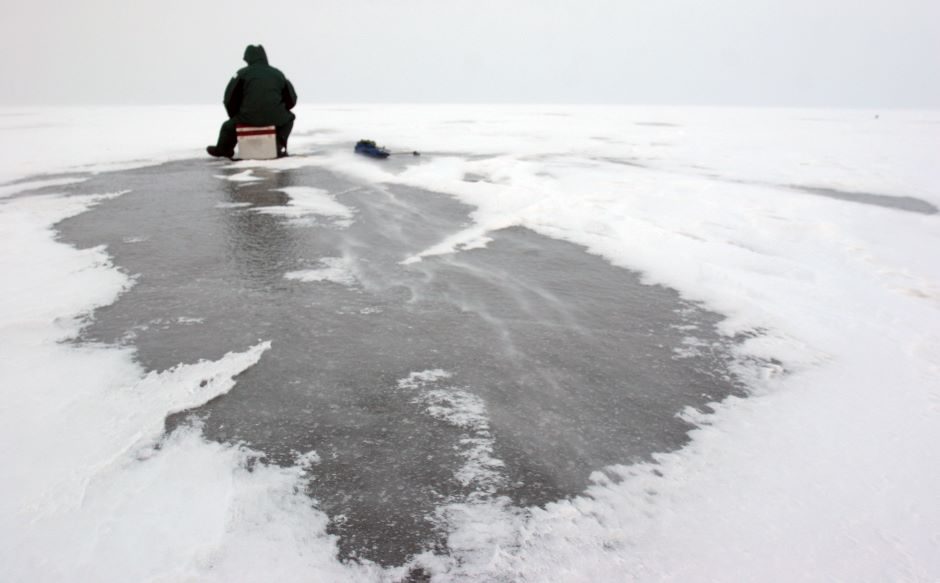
{"points": [[228, 137]]}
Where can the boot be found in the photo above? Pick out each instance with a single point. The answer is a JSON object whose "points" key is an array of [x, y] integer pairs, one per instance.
{"points": [[215, 152]]}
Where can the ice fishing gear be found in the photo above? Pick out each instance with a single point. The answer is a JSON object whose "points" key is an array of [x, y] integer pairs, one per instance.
{"points": [[369, 148]]}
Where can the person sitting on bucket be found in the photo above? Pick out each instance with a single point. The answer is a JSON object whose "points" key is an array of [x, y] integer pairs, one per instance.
{"points": [[258, 95]]}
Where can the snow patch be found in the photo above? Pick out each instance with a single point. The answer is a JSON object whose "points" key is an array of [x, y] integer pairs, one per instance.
{"points": [[416, 380], [306, 461], [11, 189], [337, 270], [189, 320], [306, 201], [245, 176], [232, 205]]}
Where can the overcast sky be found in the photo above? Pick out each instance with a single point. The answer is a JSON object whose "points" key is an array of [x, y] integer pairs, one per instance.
{"points": [[877, 53]]}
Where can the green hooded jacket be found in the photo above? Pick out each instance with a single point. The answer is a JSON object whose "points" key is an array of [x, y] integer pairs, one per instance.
{"points": [[259, 94]]}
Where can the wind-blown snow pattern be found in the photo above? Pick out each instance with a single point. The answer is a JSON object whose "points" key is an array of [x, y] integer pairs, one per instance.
{"points": [[483, 527], [307, 201], [467, 412], [798, 226]]}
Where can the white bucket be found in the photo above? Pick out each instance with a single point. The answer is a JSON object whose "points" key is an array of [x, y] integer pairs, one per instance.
{"points": [[256, 143]]}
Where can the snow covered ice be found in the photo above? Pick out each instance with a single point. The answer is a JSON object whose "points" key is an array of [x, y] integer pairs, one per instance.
{"points": [[775, 418]]}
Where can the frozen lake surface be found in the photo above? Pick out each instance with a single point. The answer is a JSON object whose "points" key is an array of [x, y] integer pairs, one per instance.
{"points": [[513, 370], [567, 344]]}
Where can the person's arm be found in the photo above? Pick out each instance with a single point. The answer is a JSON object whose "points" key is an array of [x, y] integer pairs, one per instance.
{"points": [[288, 95], [233, 96]]}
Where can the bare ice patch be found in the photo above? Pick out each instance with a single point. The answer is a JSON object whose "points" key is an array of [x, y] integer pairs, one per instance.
{"points": [[904, 203], [528, 354]]}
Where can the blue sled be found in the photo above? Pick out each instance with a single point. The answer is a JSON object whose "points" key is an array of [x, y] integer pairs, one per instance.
{"points": [[368, 148]]}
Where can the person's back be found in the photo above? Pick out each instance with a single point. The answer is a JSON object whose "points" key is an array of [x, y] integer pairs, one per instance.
{"points": [[258, 95]]}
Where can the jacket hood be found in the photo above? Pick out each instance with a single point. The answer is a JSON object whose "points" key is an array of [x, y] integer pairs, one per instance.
{"points": [[254, 54]]}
